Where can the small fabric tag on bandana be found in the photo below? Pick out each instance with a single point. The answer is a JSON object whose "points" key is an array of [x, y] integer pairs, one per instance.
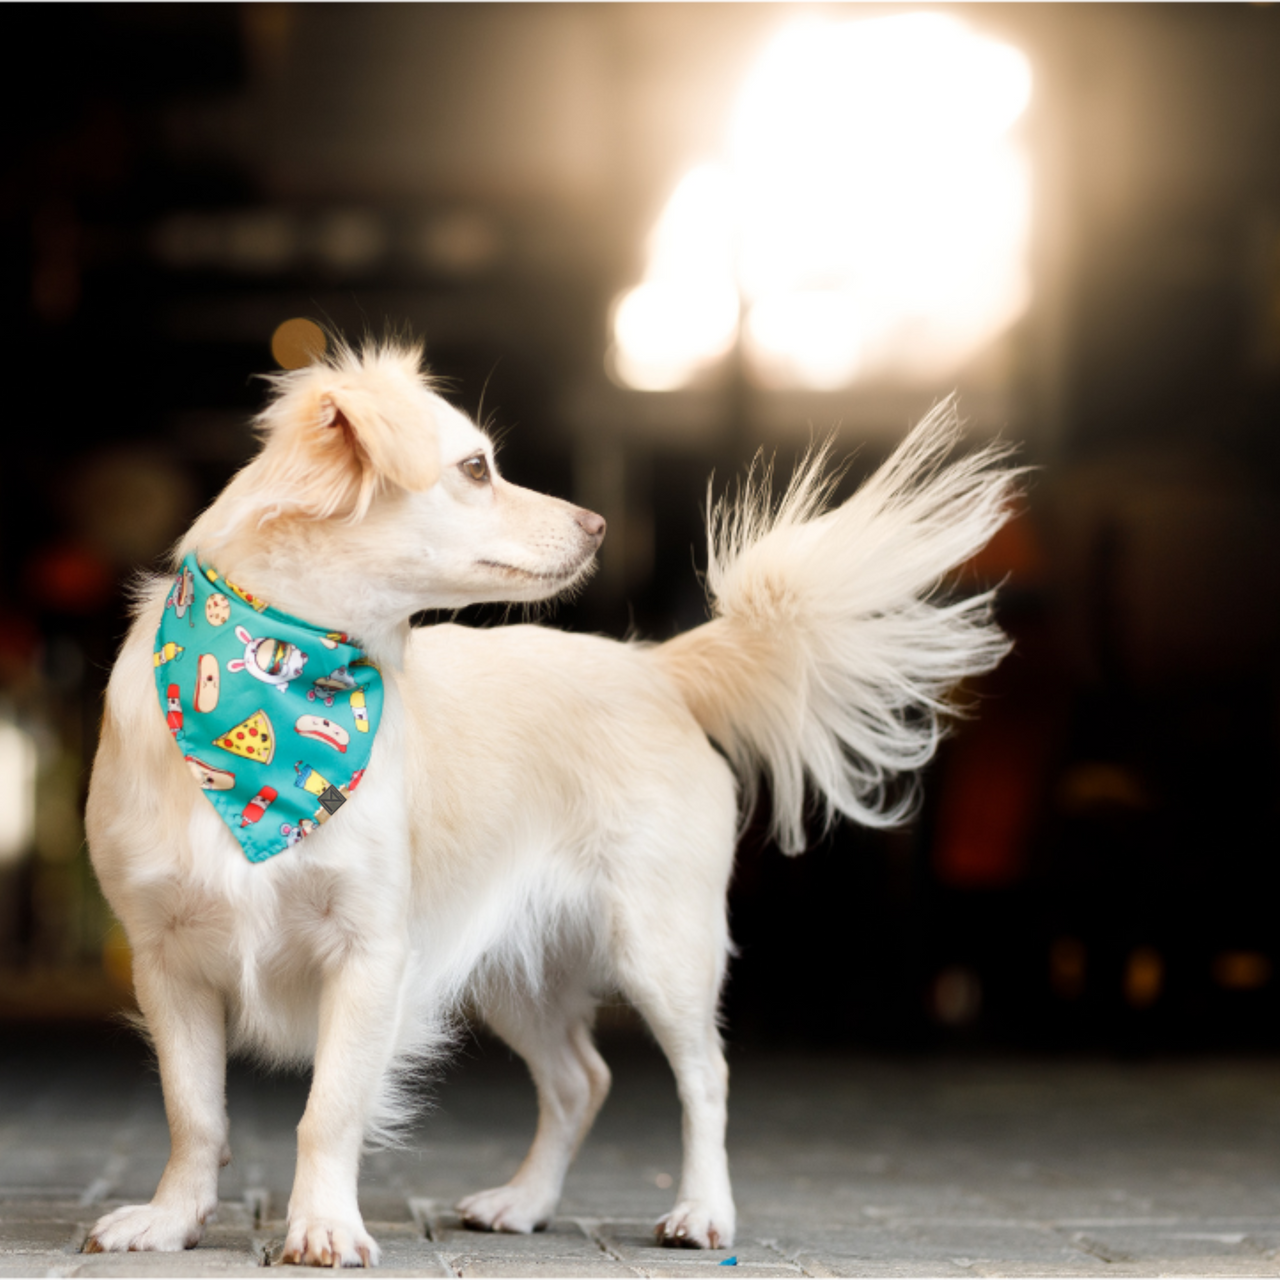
{"points": [[274, 717]]}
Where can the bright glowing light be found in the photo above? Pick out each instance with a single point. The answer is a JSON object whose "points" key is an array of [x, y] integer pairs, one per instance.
{"points": [[814, 338], [694, 236], [873, 215], [873, 161], [876, 90], [666, 332], [685, 314], [17, 791]]}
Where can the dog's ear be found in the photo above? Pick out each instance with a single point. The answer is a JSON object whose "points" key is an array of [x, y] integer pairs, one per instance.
{"points": [[408, 458], [338, 431]]}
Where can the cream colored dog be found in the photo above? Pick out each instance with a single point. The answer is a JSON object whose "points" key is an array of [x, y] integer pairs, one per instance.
{"points": [[544, 817]]}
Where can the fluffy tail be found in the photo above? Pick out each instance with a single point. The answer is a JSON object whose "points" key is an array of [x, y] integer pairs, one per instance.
{"points": [[833, 646]]}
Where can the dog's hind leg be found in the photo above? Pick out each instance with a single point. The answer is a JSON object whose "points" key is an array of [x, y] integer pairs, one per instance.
{"points": [[554, 1039], [186, 1019], [671, 955]]}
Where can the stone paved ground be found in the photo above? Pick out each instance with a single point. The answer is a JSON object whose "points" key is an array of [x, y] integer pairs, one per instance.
{"points": [[844, 1165]]}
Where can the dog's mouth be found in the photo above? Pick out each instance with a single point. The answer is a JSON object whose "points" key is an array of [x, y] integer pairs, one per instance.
{"points": [[530, 575], [534, 585]]}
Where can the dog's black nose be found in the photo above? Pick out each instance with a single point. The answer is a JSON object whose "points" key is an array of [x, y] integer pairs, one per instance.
{"points": [[591, 524]]}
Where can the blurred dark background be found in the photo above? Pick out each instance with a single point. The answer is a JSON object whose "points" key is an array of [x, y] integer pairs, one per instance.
{"points": [[1095, 865]]}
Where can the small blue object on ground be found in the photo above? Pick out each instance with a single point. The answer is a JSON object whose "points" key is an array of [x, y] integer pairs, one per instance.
{"points": [[730, 1262]]}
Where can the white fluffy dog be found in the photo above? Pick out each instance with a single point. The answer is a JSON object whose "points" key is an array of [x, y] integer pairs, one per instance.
{"points": [[544, 817]]}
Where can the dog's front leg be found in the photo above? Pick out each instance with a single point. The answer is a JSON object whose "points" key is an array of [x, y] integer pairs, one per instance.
{"points": [[359, 1018], [187, 1021]]}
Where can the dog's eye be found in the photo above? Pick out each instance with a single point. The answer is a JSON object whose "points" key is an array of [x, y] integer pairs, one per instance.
{"points": [[477, 468]]}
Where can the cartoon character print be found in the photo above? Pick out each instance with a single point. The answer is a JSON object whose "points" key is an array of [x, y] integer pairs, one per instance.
{"points": [[208, 683], [217, 608], [167, 653], [339, 680], [310, 779], [209, 776], [256, 807], [359, 712], [173, 714], [321, 729], [274, 662], [294, 834], [182, 595]]}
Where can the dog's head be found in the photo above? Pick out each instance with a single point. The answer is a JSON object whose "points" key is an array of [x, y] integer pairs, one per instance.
{"points": [[369, 483]]}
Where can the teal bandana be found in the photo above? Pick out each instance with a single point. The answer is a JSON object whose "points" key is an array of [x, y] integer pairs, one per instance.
{"points": [[233, 675]]}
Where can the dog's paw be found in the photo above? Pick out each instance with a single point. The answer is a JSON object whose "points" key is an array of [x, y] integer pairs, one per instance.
{"points": [[514, 1208], [693, 1225], [139, 1227], [328, 1242]]}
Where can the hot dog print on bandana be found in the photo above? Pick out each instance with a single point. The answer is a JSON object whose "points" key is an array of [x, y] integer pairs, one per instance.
{"points": [[274, 717]]}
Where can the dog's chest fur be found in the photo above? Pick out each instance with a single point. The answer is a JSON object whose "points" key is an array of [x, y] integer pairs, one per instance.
{"points": [[262, 934]]}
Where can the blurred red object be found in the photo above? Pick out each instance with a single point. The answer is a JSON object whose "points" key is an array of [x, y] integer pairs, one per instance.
{"points": [[992, 786], [995, 772], [1014, 556], [19, 648], [69, 578]]}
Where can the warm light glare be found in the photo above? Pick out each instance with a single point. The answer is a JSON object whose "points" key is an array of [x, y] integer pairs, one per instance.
{"points": [[297, 343], [685, 314], [872, 216], [17, 791], [694, 236], [666, 332], [811, 336]]}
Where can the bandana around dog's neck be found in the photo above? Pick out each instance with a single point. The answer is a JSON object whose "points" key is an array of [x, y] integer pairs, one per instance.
{"points": [[274, 717]]}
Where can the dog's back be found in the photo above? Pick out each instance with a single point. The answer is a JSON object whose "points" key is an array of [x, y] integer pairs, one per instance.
{"points": [[550, 773]]}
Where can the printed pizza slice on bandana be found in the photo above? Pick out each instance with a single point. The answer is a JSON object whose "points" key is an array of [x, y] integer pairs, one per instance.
{"points": [[253, 738]]}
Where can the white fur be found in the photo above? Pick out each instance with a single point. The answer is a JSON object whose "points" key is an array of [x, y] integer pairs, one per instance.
{"points": [[544, 817]]}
